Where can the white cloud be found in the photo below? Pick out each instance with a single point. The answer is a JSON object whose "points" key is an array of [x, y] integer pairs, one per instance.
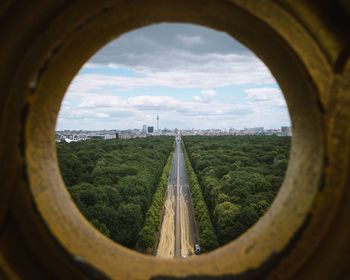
{"points": [[102, 115], [258, 108], [93, 106], [272, 96], [261, 94], [209, 93], [185, 70], [206, 96], [187, 58], [190, 41], [90, 65], [98, 101], [159, 103]]}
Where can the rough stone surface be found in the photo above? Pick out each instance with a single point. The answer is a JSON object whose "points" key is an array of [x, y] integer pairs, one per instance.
{"points": [[305, 234]]}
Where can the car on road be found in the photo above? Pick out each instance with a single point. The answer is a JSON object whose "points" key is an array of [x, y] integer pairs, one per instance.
{"points": [[197, 249]]}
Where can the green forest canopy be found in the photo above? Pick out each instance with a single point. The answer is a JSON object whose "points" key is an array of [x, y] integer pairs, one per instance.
{"points": [[113, 182], [239, 177]]}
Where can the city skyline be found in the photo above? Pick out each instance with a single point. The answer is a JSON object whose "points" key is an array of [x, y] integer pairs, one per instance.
{"points": [[191, 76], [154, 126]]}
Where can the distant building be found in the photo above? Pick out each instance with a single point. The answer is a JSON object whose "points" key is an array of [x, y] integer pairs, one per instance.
{"points": [[144, 128], [271, 132], [286, 131], [110, 136], [125, 136], [150, 129], [82, 137], [96, 136], [59, 137]]}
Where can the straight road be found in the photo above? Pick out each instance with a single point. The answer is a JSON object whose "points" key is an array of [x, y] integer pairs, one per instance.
{"points": [[178, 234]]}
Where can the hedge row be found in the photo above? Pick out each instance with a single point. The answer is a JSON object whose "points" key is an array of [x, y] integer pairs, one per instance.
{"points": [[207, 238], [147, 235]]}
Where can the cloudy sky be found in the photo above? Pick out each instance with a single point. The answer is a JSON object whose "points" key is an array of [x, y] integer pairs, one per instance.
{"points": [[192, 76]]}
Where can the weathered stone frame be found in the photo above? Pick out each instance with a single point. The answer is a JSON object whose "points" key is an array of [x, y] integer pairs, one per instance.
{"points": [[305, 234]]}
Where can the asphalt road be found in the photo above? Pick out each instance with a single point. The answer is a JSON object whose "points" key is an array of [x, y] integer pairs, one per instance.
{"points": [[178, 236]]}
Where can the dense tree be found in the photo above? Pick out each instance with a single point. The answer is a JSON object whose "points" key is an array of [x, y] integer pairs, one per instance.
{"points": [[225, 217], [147, 235], [239, 177], [113, 182], [129, 220], [119, 185]]}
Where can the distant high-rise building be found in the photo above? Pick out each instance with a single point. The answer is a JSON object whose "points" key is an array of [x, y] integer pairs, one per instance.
{"points": [[144, 128], [157, 123], [150, 129]]}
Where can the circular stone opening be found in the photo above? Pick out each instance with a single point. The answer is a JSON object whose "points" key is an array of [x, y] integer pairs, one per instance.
{"points": [[77, 38], [116, 131]]}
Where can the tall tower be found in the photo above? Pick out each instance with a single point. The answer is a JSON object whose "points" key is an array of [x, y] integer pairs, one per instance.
{"points": [[157, 123]]}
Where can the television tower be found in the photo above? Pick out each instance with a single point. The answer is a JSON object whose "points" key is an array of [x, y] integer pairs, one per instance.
{"points": [[157, 123]]}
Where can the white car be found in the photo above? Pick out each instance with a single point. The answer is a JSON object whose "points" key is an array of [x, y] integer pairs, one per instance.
{"points": [[197, 249]]}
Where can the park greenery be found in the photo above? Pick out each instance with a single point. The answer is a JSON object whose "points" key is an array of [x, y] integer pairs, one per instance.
{"points": [[119, 184], [239, 178], [147, 235]]}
